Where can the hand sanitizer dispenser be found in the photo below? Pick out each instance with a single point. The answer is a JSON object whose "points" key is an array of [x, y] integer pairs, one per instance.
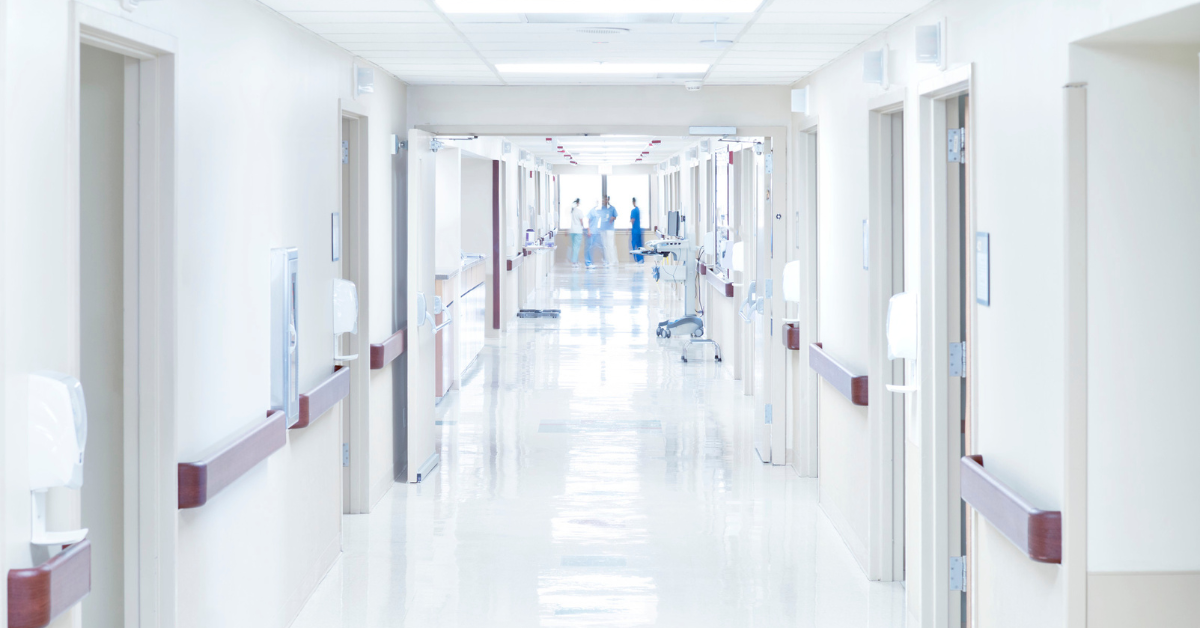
{"points": [[285, 350], [57, 436], [345, 314]]}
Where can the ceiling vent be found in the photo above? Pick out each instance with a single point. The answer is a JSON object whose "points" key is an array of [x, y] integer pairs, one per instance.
{"points": [[604, 31]]}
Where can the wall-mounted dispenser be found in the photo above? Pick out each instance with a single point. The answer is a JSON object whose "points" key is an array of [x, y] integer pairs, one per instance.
{"points": [[285, 349], [902, 335], [57, 437], [424, 316], [345, 315]]}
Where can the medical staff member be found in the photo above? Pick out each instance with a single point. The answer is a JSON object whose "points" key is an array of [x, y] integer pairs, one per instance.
{"points": [[635, 230], [593, 234], [608, 222], [577, 228]]}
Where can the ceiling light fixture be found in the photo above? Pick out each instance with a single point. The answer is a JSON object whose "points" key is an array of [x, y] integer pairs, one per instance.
{"points": [[602, 68], [599, 6]]}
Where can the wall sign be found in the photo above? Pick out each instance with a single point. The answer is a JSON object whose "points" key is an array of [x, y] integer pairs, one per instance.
{"points": [[983, 274]]}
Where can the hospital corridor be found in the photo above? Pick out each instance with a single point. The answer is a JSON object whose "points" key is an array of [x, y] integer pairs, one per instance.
{"points": [[590, 479], [599, 313]]}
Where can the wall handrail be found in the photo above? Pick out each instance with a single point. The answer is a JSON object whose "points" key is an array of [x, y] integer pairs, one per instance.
{"points": [[385, 352], [200, 481], [722, 285], [791, 336], [1037, 533], [321, 399], [39, 594], [514, 262], [853, 387]]}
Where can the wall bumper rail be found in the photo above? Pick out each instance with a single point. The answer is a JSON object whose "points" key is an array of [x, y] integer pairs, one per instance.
{"points": [[321, 399], [722, 285], [514, 262], [1038, 533], [200, 481], [39, 594], [385, 352], [791, 336], [853, 387]]}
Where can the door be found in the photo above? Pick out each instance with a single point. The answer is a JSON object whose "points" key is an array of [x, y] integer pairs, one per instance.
{"points": [[764, 411], [958, 330], [349, 227], [422, 172], [107, 339], [886, 413]]}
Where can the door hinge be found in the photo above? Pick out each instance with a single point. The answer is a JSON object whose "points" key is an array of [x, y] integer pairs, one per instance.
{"points": [[345, 454], [958, 573], [956, 144], [770, 414], [403, 144], [958, 359], [770, 288], [770, 163], [345, 151]]}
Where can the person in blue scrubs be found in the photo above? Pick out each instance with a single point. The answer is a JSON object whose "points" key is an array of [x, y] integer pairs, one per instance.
{"points": [[635, 234]]}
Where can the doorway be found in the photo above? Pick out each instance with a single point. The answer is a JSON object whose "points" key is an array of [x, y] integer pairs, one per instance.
{"points": [[105, 363], [348, 229], [122, 218], [886, 416], [940, 436]]}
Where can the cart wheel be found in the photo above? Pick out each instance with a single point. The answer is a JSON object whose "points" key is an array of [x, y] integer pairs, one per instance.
{"points": [[683, 357], [666, 333], [718, 358], [699, 333]]}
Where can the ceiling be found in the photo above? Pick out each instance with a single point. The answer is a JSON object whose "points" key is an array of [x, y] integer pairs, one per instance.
{"points": [[777, 43], [597, 150]]}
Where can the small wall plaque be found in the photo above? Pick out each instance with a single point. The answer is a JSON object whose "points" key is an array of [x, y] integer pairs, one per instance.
{"points": [[983, 274]]}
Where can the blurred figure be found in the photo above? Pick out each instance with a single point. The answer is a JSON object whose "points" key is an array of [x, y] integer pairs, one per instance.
{"points": [[608, 222], [577, 228], [592, 233], [635, 230]]}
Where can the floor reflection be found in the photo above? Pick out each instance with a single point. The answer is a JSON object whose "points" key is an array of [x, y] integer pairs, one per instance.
{"points": [[590, 478]]}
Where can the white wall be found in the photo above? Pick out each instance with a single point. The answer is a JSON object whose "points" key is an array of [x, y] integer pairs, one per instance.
{"points": [[257, 123], [1143, 133], [448, 243], [1017, 197], [530, 108], [477, 207]]}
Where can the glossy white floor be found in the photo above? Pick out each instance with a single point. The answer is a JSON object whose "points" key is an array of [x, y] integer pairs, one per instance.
{"points": [[591, 478]]}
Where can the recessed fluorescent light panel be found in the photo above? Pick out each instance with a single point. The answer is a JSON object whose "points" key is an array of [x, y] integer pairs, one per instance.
{"points": [[599, 6], [601, 68]]}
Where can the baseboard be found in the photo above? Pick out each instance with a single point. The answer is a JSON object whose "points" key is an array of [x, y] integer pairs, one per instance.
{"points": [[325, 562], [1159, 599], [857, 548]]}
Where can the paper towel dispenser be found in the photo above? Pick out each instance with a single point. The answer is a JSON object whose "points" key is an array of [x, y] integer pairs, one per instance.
{"points": [[57, 438], [285, 350]]}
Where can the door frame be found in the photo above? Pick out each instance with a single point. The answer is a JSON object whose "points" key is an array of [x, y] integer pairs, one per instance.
{"points": [[885, 537], [356, 420], [940, 498], [150, 509], [804, 382]]}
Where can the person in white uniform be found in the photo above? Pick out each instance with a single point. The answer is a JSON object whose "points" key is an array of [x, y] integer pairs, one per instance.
{"points": [[608, 222], [578, 224]]}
